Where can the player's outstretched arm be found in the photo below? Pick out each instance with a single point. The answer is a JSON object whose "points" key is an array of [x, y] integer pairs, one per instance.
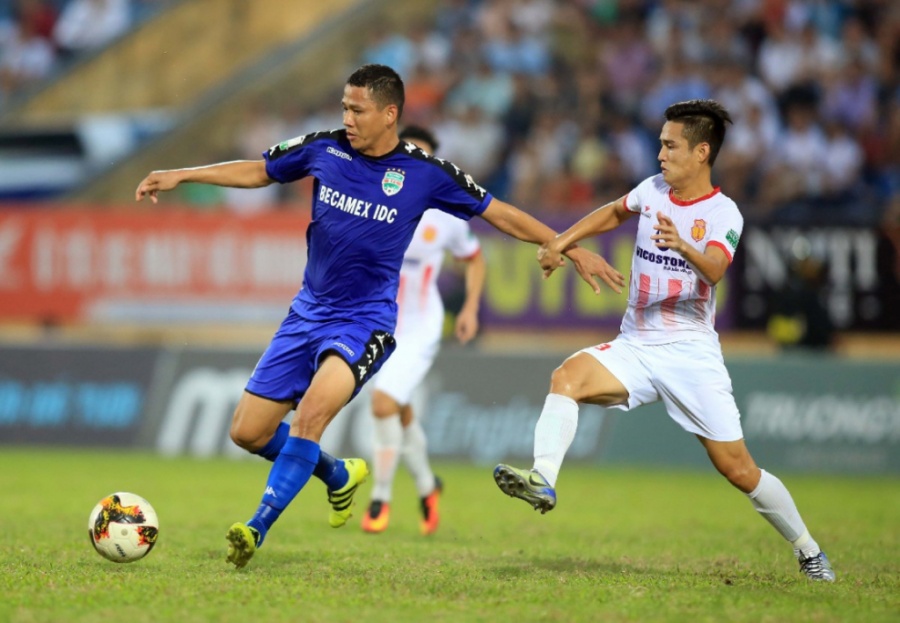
{"points": [[512, 221], [603, 219], [467, 318], [236, 174]]}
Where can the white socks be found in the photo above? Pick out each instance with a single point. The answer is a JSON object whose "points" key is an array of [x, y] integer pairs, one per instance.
{"points": [[773, 501], [553, 434], [415, 456], [386, 448]]}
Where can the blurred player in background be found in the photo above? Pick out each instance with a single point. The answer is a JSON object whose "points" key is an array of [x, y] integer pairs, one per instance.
{"points": [[667, 349], [370, 191], [398, 432]]}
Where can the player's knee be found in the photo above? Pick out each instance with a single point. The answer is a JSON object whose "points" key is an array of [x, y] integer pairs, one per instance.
{"points": [[244, 437], [565, 382], [742, 475], [384, 406]]}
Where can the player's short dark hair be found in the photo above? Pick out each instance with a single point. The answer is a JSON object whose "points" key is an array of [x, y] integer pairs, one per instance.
{"points": [[418, 133], [384, 83], [704, 122]]}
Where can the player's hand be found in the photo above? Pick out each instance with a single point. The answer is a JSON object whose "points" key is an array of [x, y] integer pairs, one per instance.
{"points": [[590, 265], [666, 236], [466, 325], [155, 182], [549, 258]]}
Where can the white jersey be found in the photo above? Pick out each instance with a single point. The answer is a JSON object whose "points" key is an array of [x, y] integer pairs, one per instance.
{"points": [[667, 300], [418, 298], [421, 311]]}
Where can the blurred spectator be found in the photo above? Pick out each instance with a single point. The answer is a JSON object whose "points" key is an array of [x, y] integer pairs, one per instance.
{"points": [[677, 82], [488, 90], [425, 92], [472, 141], [843, 162], [851, 97], [750, 139], [39, 15], [25, 58], [796, 168], [628, 60], [391, 48], [86, 25]]}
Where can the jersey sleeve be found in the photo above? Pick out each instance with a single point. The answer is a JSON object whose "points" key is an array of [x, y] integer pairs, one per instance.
{"points": [[290, 160], [455, 192], [727, 229], [635, 198], [464, 244]]}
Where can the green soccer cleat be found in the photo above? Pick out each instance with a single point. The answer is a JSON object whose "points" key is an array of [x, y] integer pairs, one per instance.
{"points": [[341, 500], [242, 542], [526, 485]]}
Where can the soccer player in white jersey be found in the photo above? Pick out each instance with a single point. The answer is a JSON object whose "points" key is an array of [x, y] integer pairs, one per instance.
{"points": [[667, 348], [398, 432]]}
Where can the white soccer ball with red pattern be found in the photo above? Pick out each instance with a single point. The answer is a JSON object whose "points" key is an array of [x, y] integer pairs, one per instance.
{"points": [[123, 527]]}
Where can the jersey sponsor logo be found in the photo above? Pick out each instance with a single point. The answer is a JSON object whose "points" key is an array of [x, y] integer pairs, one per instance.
{"points": [[285, 146], [392, 182], [733, 238], [698, 231], [355, 206], [338, 153], [660, 258]]}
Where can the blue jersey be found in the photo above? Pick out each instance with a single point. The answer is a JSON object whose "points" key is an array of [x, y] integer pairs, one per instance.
{"points": [[364, 213]]}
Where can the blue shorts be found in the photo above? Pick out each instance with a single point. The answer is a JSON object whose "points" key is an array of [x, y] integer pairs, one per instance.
{"points": [[286, 368]]}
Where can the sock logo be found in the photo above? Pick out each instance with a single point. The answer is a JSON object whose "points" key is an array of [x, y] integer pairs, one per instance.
{"points": [[271, 491]]}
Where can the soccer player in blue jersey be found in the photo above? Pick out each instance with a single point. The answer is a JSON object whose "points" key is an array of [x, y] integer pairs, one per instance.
{"points": [[369, 193]]}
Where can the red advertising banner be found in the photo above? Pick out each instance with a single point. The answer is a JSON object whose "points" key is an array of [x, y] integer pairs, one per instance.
{"points": [[171, 265]]}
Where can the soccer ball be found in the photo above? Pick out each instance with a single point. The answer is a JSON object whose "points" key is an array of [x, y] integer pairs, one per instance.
{"points": [[123, 527]]}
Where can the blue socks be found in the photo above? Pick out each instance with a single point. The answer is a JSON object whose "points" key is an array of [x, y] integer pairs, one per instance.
{"points": [[331, 471], [328, 469], [276, 443], [289, 474]]}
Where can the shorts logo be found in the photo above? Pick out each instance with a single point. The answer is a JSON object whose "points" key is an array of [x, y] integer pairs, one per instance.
{"points": [[430, 234], [345, 348], [698, 231], [392, 182]]}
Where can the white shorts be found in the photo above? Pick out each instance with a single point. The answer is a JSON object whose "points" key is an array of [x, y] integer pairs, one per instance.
{"points": [[412, 359], [689, 377]]}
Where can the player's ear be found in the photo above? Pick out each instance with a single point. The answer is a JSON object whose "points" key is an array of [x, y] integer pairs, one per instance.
{"points": [[702, 150], [390, 114]]}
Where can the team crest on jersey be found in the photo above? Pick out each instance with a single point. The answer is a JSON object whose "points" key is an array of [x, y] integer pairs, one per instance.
{"points": [[698, 231], [392, 182]]}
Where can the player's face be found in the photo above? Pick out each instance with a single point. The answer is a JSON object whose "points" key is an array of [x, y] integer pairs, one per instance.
{"points": [[367, 125], [679, 163]]}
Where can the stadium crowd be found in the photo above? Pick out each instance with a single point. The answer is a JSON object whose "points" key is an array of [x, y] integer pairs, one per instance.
{"points": [[552, 104], [37, 37]]}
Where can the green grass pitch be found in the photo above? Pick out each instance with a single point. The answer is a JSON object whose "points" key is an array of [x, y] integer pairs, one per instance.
{"points": [[622, 545]]}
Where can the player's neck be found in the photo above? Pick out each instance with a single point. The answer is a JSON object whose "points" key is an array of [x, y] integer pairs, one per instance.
{"points": [[693, 190], [383, 147]]}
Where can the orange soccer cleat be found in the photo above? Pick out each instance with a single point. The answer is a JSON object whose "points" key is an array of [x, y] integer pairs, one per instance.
{"points": [[376, 518], [430, 514]]}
